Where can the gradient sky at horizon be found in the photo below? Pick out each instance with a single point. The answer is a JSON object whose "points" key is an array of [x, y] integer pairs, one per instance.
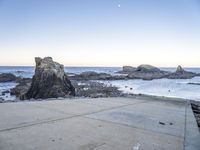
{"points": [[101, 32]]}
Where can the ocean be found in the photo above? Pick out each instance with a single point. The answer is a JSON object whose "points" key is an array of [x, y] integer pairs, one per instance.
{"points": [[178, 88]]}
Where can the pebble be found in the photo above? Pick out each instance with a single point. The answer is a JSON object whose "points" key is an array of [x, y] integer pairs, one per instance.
{"points": [[162, 123]]}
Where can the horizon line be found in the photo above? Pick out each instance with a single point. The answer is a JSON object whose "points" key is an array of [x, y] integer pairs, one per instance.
{"points": [[102, 66]]}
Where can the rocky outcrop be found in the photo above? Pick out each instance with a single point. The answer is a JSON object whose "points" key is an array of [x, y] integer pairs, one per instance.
{"points": [[179, 70], [181, 74], [147, 69], [91, 75], [127, 69], [49, 81], [23, 86], [147, 72], [142, 68], [84, 88], [147, 75], [7, 77], [95, 89]]}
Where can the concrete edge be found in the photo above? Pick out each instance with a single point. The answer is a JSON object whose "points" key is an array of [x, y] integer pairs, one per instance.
{"points": [[192, 134]]}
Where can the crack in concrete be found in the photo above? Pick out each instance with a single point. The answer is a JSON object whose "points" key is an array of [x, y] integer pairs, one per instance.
{"points": [[85, 116]]}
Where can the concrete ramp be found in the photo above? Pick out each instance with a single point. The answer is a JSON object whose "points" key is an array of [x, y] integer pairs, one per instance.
{"points": [[99, 124]]}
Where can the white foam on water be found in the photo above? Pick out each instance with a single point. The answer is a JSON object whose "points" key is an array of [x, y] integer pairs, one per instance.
{"points": [[4, 87]]}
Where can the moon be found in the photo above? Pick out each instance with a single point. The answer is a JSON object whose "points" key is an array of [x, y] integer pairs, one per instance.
{"points": [[119, 5]]}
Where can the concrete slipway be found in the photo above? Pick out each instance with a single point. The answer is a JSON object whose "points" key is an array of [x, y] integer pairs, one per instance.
{"points": [[99, 124]]}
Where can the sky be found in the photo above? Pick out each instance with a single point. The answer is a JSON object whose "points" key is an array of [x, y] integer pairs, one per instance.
{"points": [[163, 33]]}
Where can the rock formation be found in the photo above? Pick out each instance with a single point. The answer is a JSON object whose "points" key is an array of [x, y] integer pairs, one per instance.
{"points": [[91, 75], [86, 88], [23, 86], [147, 72], [7, 77], [181, 74], [147, 68], [128, 69], [180, 70], [49, 81]]}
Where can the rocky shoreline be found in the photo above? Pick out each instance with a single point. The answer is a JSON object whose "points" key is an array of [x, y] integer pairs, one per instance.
{"points": [[51, 82], [84, 88], [148, 72], [84, 84], [144, 72]]}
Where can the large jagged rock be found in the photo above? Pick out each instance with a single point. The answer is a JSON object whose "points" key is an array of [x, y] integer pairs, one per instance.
{"points": [[49, 81], [180, 70]]}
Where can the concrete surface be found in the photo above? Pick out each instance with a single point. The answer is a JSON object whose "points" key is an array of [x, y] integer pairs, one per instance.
{"points": [[99, 124]]}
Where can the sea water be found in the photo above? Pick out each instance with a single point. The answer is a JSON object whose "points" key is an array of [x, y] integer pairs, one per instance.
{"points": [[179, 88], [161, 87], [28, 72]]}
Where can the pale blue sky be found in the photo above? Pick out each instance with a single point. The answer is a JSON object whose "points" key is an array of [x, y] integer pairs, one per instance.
{"points": [[100, 33]]}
